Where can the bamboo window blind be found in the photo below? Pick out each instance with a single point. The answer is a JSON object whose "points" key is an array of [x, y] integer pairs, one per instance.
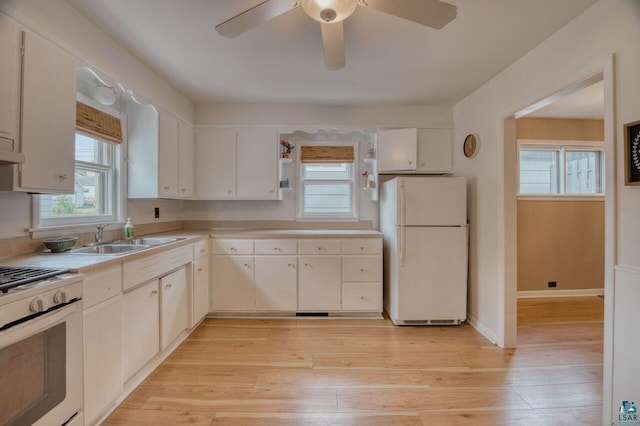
{"points": [[326, 154], [97, 123]]}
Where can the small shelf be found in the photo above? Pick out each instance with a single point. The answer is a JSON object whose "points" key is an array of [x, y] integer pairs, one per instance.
{"points": [[285, 160], [369, 160], [290, 188]]}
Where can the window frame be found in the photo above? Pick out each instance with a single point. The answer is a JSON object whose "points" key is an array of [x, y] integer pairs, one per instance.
{"points": [[562, 147], [354, 171], [116, 184]]}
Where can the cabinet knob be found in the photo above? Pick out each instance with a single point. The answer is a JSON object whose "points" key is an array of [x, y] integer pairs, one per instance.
{"points": [[154, 292], [422, 164], [63, 177], [361, 297], [410, 162], [291, 265], [276, 248], [319, 248], [232, 248], [271, 191], [229, 191], [202, 250], [199, 269], [184, 189], [361, 269], [246, 265], [306, 264], [361, 248], [169, 286], [166, 188]]}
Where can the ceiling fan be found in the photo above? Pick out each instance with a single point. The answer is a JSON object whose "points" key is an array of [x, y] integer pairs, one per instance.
{"points": [[331, 14]]}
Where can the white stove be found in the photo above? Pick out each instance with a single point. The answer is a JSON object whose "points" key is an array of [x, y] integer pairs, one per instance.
{"points": [[40, 346]]}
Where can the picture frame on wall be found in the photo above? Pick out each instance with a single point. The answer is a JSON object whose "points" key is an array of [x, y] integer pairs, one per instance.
{"points": [[632, 153]]}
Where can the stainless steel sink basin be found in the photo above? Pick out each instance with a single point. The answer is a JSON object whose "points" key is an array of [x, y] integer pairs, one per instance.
{"points": [[149, 241], [109, 249]]}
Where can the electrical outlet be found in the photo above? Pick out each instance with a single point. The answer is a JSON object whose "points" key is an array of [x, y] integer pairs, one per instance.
{"points": [[157, 212], [553, 284]]}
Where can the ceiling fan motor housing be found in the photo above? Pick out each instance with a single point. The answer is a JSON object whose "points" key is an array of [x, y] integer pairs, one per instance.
{"points": [[326, 11]]}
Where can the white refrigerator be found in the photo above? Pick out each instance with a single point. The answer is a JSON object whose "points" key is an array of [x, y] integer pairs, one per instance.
{"points": [[424, 221]]}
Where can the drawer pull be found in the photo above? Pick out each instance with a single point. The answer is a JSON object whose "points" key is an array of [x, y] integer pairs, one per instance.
{"points": [[246, 265], [166, 188], [202, 250], [109, 288], [320, 248], [276, 248], [232, 248], [169, 285], [199, 269], [361, 297], [361, 248], [361, 269], [154, 292], [63, 176], [291, 265]]}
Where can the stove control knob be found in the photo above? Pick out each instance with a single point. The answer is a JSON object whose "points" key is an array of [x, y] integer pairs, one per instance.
{"points": [[37, 305], [60, 297]]}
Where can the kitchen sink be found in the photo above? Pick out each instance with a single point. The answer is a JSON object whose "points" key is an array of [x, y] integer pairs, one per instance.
{"points": [[149, 241], [109, 249]]}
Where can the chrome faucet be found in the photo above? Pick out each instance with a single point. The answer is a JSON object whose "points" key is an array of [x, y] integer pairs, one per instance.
{"points": [[99, 230]]}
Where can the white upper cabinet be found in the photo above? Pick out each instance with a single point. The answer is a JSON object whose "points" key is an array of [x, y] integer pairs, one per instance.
{"points": [[434, 151], [414, 151], [216, 164], [397, 150], [10, 70], [237, 164], [168, 151], [186, 165], [160, 154], [48, 121], [257, 164]]}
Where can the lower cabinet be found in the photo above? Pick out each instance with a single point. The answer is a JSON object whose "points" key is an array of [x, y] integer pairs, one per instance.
{"points": [[232, 283], [141, 331], [276, 283], [200, 289], [175, 309], [319, 283], [102, 334]]}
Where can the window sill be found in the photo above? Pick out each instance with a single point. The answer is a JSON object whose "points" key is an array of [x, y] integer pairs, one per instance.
{"points": [[54, 231], [327, 219], [560, 197]]}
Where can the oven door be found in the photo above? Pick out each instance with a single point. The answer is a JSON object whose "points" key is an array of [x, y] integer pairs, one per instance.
{"points": [[41, 369]]}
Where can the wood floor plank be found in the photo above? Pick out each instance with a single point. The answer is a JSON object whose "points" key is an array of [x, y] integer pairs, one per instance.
{"points": [[292, 360], [556, 396], [402, 361], [328, 378], [138, 397], [241, 399], [203, 374], [132, 417], [295, 419]]}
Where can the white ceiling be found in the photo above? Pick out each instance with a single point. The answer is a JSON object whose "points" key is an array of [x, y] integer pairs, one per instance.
{"points": [[389, 60], [587, 103]]}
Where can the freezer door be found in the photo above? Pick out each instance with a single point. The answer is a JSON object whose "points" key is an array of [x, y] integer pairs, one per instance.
{"points": [[432, 201], [431, 276]]}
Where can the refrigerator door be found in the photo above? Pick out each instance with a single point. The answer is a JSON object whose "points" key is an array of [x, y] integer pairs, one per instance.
{"points": [[432, 201], [431, 274]]}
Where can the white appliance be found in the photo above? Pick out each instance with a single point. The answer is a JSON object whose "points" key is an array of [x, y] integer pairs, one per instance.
{"points": [[40, 347], [424, 221]]}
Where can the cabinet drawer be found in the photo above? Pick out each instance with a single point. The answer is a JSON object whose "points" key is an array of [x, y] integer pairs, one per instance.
{"points": [[200, 249], [287, 246], [101, 285], [362, 246], [154, 266], [361, 268], [231, 246], [362, 297], [326, 246]]}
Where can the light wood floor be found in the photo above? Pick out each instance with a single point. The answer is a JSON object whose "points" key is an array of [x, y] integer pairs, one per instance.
{"points": [[370, 372]]}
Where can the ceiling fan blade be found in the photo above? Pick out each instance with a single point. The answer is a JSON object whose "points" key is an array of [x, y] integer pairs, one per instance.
{"points": [[255, 16], [432, 13], [333, 44]]}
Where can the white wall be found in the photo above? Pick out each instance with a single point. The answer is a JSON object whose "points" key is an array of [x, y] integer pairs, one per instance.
{"points": [[577, 51], [56, 20]]}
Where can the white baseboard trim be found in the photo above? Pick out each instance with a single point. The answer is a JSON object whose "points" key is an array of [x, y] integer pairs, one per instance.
{"points": [[482, 329], [561, 293]]}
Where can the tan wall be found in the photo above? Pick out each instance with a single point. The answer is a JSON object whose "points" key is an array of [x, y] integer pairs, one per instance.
{"points": [[560, 129], [560, 241]]}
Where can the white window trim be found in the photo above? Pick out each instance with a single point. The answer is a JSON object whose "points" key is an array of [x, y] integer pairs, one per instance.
{"points": [[561, 147], [88, 224], [355, 200]]}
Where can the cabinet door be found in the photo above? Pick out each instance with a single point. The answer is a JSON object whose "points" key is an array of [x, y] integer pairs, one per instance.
{"points": [[185, 169], [319, 283], [397, 150], [276, 279], [216, 164], [200, 289], [141, 327], [168, 156], [232, 283], [257, 164], [175, 306], [10, 64], [48, 117], [102, 357], [434, 150]]}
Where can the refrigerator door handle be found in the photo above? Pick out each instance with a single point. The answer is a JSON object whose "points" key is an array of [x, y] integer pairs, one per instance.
{"points": [[403, 206], [403, 242]]}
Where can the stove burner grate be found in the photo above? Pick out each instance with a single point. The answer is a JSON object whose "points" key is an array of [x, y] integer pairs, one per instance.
{"points": [[13, 276]]}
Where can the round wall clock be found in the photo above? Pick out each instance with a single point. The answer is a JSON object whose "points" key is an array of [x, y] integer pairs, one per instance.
{"points": [[470, 145]]}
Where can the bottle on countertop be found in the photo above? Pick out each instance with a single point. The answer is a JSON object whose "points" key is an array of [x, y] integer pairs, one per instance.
{"points": [[128, 230]]}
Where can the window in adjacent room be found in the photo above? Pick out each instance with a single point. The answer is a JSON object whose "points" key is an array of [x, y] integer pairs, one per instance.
{"points": [[327, 182], [561, 169]]}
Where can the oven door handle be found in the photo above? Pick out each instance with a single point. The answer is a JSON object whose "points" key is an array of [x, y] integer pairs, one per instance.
{"points": [[36, 325]]}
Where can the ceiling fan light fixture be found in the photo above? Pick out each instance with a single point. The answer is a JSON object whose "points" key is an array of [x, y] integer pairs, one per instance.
{"points": [[329, 11]]}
